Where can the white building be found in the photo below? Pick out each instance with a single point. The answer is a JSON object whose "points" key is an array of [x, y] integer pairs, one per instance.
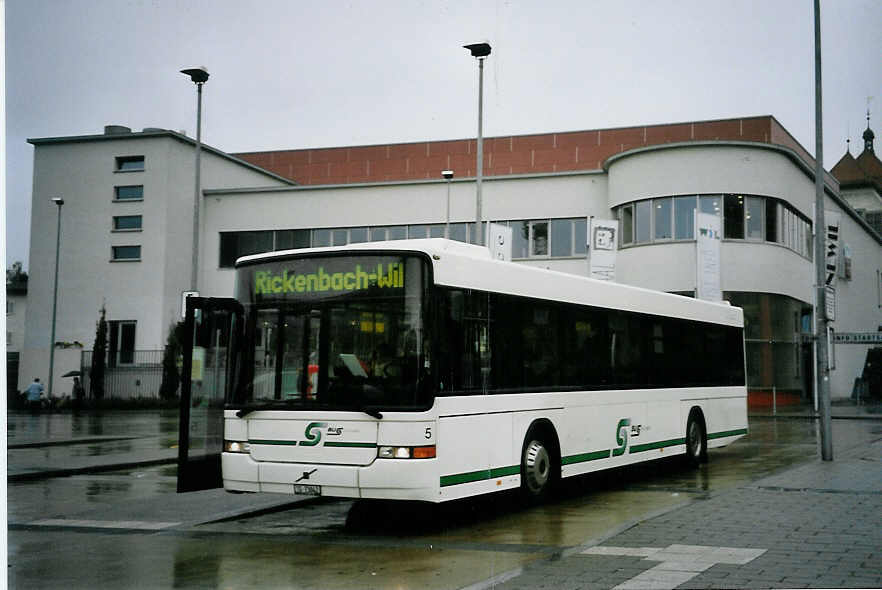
{"points": [[748, 171], [126, 240]]}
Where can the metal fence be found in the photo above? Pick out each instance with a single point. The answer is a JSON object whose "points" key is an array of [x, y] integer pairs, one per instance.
{"points": [[139, 377]]}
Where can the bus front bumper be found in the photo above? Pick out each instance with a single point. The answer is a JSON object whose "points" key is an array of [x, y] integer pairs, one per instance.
{"points": [[390, 479]]}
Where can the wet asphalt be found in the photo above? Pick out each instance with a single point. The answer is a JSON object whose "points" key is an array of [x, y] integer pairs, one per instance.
{"points": [[123, 526]]}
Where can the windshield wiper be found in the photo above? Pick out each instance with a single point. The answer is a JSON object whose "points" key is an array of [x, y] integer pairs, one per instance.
{"points": [[242, 412], [372, 412]]}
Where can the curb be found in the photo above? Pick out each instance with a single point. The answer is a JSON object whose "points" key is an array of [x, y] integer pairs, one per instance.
{"points": [[36, 475]]}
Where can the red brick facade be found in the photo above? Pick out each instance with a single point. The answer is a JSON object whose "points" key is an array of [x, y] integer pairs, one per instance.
{"points": [[518, 154]]}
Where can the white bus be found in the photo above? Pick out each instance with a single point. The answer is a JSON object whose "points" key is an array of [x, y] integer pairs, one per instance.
{"points": [[426, 370]]}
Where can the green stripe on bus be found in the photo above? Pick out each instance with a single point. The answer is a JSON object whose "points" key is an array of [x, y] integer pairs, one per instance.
{"points": [[658, 445], [273, 442], [503, 471], [583, 457], [726, 433], [355, 445], [482, 475]]}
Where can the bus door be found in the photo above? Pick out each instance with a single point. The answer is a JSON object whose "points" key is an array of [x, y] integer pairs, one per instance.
{"points": [[208, 350]]}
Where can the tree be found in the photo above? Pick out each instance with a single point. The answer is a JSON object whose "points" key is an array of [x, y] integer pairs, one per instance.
{"points": [[171, 377], [99, 357], [16, 278]]}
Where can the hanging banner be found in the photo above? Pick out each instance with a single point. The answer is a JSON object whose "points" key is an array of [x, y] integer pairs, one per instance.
{"points": [[831, 251], [602, 241], [499, 241], [707, 259]]}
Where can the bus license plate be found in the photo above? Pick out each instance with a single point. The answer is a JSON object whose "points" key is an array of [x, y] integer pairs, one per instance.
{"points": [[307, 490]]}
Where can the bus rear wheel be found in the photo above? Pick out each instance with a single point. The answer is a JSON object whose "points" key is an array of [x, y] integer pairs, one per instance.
{"points": [[537, 471], [696, 441]]}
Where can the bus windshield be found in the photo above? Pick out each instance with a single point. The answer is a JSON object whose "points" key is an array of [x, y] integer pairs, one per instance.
{"points": [[333, 332]]}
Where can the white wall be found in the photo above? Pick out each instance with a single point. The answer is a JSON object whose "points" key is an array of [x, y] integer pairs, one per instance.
{"points": [[858, 301], [863, 198], [690, 170], [15, 321], [394, 204], [147, 291]]}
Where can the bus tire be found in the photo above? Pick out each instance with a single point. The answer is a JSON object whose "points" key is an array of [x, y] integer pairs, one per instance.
{"points": [[539, 472], [696, 439]]}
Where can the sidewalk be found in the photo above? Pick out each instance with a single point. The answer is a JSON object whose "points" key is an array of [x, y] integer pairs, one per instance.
{"points": [[813, 526], [840, 409], [60, 444]]}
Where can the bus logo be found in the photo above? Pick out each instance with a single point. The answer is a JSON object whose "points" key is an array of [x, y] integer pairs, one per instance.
{"points": [[313, 434], [622, 436]]}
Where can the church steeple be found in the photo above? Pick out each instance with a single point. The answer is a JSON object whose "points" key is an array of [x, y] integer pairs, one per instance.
{"points": [[868, 136]]}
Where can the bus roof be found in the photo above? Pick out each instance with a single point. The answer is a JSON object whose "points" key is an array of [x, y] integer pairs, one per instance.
{"points": [[457, 264]]}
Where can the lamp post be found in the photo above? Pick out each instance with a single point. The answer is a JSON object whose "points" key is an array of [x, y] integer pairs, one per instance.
{"points": [[448, 175], [58, 201], [823, 362], [480, 51], [199, 76]]}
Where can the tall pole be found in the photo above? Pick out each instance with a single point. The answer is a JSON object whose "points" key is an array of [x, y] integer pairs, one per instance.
{"points": [[196, 197], [480, 168], [58, 201], [823, 372], [447, 175]]}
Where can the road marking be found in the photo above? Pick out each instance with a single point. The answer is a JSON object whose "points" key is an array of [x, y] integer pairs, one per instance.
{"points": [[105, 524], [679, 563]]}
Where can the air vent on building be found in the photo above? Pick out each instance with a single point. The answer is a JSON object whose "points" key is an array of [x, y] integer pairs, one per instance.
{"points": [[153, 129], [116, 130]]}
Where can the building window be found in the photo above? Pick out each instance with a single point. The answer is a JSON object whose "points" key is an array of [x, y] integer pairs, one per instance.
{"points": [[291, 239], [733, 217], [383, 233], [753, 218], [129, 193], [127, 253], [743, 217], [10, 307], [684, 218], [710, 204], [561, 237], [662, 210], [129, 163], [435, 230], [539, 238], [127, 223], [242, 243], [627, 219], [773, 230], [643, 209], [874, 218], [121, 342]]}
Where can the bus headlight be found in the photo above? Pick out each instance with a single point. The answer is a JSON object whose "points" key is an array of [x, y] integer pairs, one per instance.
{"points": [[235, 446], [427, 452]]}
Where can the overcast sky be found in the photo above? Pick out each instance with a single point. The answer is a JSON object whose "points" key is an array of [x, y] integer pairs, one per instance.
{"points": [[296, 74]]}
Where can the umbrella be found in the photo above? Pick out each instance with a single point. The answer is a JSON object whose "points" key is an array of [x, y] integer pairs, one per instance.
{"points": [[73, 374]]}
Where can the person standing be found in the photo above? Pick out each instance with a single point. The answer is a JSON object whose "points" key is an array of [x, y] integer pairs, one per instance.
{"points": [[34, 393], [78, 393]]}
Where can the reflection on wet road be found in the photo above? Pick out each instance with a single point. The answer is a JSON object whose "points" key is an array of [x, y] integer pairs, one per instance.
{"points": [[344, 544]]}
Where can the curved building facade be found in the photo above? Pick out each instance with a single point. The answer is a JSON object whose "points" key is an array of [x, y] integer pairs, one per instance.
{"points": [[748, 172]]}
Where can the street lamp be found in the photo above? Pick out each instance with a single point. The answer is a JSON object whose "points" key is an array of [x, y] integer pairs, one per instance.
{"points": [[199, 76], [447, 174], [58, 201], [479, 51]]}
